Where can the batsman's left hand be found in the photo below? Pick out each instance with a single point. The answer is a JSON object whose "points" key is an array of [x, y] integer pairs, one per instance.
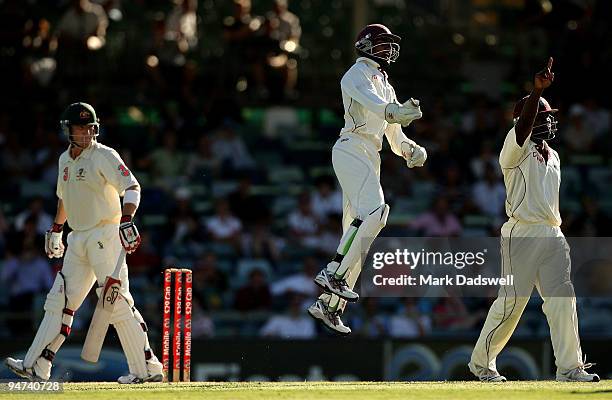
{"points": [[130, 238], [414, 154]]}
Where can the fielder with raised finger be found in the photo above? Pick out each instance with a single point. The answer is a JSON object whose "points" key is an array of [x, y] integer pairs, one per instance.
{"points": [[92, 177], [534, 250], [371, 112]]}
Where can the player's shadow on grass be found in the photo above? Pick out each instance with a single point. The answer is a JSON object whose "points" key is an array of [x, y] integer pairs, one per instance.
{"points": [[593, 392]]}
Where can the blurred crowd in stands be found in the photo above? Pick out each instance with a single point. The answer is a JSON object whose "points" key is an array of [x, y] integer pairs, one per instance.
{"points": [[232, 149]]}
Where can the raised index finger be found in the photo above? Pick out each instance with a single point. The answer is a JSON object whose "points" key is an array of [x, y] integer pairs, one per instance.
{"points": [[550, 63]]}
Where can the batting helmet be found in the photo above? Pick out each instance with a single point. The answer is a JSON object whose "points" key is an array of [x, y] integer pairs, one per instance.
{"points": [[545, 124], [79, 114], [377, 41]]}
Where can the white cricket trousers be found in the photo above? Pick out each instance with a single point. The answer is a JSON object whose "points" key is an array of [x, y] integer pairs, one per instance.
{"points": [[537, 256], [356, 163], [92, 255]]}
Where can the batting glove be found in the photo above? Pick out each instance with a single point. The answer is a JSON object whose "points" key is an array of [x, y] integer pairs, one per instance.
{"points": [[414, 154], [54, 247], [403, 113], [130, 238]]}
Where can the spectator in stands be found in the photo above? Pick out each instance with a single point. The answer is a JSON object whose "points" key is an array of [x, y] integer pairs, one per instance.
{"points": [[489, 194], [223, 227], [244, 37], [371, 323], [144, 263], [40, 46], [16, 161], [80, 32], [230, 149], [295, 324], [303, 223], [300, 282], [182, 24], [255, 294], [260, 242], [450, 313], [596, 117], [245, 205], [182, 222], [26, 274], [578, 135], [438, 221], [409, 323], [203, 164], [487, 156], [202, 326], [590, 221], [284, 31], [37, 213], [166, 163], [210, 282], [328, 235], [455, 188], [326, 199]]}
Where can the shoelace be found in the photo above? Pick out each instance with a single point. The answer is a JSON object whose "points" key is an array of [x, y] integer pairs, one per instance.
{"points": [[586, 365], [333, 316], [340, 284]]}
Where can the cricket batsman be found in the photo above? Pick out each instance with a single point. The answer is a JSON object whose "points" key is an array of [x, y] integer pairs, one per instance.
{"points": [[91, 179], [533, 247], [371, 111]]}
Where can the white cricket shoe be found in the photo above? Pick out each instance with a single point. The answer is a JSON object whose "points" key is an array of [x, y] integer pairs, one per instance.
{"points": [[578, 375], [485, 374], [18, 369], [339, 287], [131, 379], [331, 320]]}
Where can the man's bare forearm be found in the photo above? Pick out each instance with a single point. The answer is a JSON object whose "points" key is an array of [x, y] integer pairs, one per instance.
{"points": [[60, 214], [525, 122]]}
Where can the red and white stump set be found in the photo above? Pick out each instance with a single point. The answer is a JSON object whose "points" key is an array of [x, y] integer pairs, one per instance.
{"points": [[181, 331]]}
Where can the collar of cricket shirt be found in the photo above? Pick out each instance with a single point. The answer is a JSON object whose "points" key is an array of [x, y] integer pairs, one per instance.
{"points": [[85, 154], [369, 61]]}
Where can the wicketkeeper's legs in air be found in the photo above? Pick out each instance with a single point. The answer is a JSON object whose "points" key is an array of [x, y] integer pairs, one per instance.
{"points": [[365, 214]]}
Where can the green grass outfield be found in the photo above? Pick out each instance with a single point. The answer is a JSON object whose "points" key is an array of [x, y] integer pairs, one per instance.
{"points": [[548, 390]]}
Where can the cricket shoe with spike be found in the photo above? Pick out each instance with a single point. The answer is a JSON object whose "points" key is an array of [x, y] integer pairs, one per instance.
{"points": [[18, 369], [132, 379], [578, 375], [339, 287], [485, 374], [331, 319]]}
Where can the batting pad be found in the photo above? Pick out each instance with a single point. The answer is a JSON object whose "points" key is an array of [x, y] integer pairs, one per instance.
{"points": [[357, 241], [132, 336]]}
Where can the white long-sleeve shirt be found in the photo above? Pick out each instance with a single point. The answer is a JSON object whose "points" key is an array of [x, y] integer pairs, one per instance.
{"points": [[366, 91]]}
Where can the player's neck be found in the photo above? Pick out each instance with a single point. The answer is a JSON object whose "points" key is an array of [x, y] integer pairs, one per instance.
{"points": [[543, 149], [75, 151]]}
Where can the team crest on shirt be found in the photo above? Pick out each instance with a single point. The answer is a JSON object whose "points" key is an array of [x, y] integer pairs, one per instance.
{"points": [[80, 176], [65, 174], [123, 170], [539, 157]]}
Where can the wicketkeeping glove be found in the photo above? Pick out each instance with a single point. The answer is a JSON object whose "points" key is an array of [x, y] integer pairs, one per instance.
{"points": [[130, 238], [53, 241], [414, 154], [403, 113]]}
